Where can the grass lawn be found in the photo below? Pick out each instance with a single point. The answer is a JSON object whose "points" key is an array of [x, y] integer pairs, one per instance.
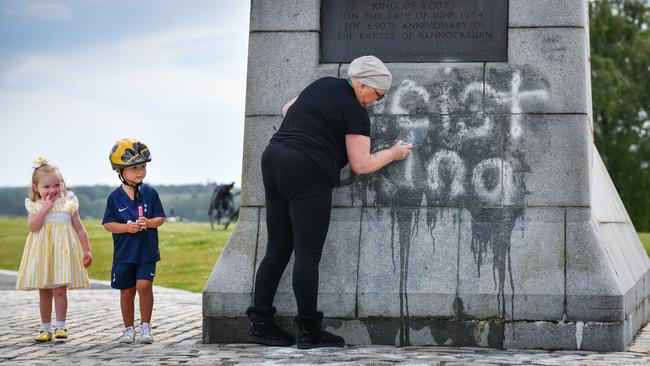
{"points": [[188, 251]]}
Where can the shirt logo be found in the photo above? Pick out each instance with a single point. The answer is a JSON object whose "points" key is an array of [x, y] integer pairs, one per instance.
{"points": [[152, 274], [122, 209]]}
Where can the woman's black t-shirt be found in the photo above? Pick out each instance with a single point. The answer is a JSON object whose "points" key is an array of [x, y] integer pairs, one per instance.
{"points": [[318, 121]]}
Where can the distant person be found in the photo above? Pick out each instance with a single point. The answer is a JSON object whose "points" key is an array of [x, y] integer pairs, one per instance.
{"points": [[57, 250], [324, 128], [133, 213]]}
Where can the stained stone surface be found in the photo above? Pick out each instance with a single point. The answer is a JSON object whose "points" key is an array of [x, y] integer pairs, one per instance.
{"points": [[285, 15], [338, 272], [502, 229], [458, 161], [541, 335], [259, 130], [432, 88], [548, 157], [411, 268], [544, 73], [228, 290], [594, 291], [547, 13], [511, 263], [280, 65]]}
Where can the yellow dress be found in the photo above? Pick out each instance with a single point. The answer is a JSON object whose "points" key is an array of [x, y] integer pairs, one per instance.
{"points": [[53, 255]]}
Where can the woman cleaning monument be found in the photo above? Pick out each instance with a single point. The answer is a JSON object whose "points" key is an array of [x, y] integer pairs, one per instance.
{"points": [[324, 127]]}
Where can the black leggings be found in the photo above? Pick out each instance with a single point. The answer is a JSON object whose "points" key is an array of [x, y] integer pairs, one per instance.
{"points": [[298, 206]]}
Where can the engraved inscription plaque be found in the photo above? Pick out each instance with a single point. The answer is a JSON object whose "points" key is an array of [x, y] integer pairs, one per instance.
{"points": [[415, 30]]}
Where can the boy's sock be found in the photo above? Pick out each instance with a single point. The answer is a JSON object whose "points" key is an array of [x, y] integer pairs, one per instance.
{"points": [[59, 324], [46, 327]]}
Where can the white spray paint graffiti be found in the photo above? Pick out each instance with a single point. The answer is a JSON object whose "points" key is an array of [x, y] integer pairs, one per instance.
{"points": [[514, 98], [472, 89], [463, 180], [461, 158], [408, 164], [481, 185], [456, 166], [406, 86]]}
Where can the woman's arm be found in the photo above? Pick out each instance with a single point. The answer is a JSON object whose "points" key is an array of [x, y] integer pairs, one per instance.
{"points": [[288, 105], [363, 162]]}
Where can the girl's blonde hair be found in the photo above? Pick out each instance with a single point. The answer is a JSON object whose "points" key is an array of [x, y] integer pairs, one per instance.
{"points": [[43, 167]]}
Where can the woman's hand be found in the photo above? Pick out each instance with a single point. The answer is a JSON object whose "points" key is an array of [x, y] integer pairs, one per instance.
{"points": [[401, 150], [363, 162]]}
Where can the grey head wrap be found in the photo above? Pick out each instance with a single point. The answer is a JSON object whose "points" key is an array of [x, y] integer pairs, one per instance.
{"points": [[371, 71]]}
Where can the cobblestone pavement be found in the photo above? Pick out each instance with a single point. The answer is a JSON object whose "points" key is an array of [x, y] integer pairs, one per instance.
{"points": [[94, 324]]}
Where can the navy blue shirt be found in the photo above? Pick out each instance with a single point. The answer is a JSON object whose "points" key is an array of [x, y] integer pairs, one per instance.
{"points": [[140, 247]]}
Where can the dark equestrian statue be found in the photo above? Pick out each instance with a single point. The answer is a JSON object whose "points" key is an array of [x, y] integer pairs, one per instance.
{"points": [[224, 205]]}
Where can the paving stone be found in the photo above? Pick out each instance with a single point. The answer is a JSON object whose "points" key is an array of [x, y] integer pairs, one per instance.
{"points": [[94, 349]]}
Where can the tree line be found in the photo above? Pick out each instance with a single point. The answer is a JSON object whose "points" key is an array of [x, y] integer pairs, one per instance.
{"points": [[186, 201], [620, 81]]}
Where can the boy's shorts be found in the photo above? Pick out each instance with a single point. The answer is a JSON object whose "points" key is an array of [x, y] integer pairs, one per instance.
{"points": [[124, 275]]}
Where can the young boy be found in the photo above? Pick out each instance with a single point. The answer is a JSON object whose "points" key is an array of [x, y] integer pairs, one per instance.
{"points": [[133, 212]]}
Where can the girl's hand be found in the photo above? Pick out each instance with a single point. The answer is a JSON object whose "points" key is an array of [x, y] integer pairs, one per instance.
{"points": [[48, 202], [401, 150], [133, 227], [87, 259]]}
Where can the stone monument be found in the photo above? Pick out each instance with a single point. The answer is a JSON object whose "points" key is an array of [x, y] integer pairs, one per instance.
{"points": [[502, 229]]}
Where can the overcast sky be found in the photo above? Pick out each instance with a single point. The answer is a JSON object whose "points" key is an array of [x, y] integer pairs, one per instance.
{"points": [[77, 75]]}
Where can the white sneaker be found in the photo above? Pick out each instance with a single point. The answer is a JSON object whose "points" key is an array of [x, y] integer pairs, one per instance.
{"points": [[145, 333], [128, 335]]}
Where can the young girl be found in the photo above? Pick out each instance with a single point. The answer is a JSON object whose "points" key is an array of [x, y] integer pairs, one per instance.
{"points": [[57, 251]]}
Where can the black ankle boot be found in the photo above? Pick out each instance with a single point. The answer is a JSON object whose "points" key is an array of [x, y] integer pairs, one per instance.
{"points": [[263, 329], [312, 335]]}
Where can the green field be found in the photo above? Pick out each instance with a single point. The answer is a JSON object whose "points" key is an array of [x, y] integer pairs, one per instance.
{"points": [[645, 239], [188, 251]]}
